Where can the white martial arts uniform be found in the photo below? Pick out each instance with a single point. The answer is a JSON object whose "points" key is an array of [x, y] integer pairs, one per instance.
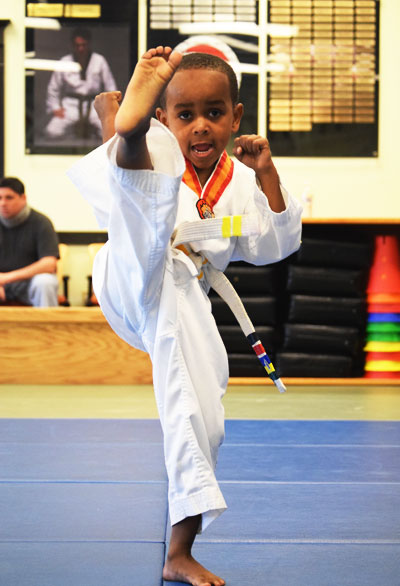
{"points": [[75, 94], [152, 296]]}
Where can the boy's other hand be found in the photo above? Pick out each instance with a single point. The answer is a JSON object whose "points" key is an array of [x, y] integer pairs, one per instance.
{"points": [[253, 150], [107, 104]]}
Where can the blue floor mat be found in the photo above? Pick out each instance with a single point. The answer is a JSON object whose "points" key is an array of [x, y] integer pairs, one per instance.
{"points": [[309, 463], [242, 564], [258, 512], [117, 462], [316, 433], [81, 564], [57, 431], [83, 512], [310, 503]]}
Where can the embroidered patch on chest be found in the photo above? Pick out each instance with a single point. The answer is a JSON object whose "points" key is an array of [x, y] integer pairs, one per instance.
{"points": [[204, 209]]}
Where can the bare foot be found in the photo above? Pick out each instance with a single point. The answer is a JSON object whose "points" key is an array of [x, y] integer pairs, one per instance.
{"points": [[184, 568], [152, 74]]}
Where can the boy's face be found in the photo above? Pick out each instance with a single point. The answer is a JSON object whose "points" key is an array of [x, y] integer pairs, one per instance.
{"points": [[200, 113]]}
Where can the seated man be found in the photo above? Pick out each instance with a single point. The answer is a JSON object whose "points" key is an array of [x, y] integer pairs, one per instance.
{"points": [[28, 250]]}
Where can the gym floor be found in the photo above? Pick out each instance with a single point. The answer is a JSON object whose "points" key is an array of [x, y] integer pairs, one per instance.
{"points": [[311, 478]]}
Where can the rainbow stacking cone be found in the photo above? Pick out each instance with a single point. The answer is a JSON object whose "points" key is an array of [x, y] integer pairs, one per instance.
{"points": [[383, 297]]}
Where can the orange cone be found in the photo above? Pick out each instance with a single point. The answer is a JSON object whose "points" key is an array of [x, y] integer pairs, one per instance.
{"points": [[384, 275]]}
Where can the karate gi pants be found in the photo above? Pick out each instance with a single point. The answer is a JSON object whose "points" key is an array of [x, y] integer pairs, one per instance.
{"points": [[190, 371]]}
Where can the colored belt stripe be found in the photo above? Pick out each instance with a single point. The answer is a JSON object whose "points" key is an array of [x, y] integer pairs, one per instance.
{"points": [[261, 354], [231, 226]]}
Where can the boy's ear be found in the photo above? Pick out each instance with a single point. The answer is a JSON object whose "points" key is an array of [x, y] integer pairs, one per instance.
{"points": [[237, 116], [162, 116]]}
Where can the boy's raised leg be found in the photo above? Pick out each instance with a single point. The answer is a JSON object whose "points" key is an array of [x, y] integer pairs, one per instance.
{"points": [[180, 566], [151, 76]]}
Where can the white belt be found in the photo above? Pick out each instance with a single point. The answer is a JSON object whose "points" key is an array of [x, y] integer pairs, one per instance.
{"points": [[227, 227], [224, 227], [221, 284]]}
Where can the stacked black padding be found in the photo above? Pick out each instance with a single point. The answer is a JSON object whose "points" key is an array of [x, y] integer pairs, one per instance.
{"points": [[258, 290], [325, 319]]}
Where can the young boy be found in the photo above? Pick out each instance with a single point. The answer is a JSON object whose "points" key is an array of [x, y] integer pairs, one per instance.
{"points": [[147, 181]]}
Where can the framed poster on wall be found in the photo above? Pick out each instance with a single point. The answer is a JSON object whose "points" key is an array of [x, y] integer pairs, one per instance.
{"points": [[86, 58], [324, 102]]}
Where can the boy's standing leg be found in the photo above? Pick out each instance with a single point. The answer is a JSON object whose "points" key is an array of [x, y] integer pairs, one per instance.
{"points": [[149, 80], [180, 565]]}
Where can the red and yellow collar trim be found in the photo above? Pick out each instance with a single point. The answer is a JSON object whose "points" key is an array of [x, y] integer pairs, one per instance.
{"points": [[216, 184]]}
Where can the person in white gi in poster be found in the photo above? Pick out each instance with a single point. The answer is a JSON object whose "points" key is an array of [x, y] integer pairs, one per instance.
{"points": [[147, 183], [70, 94]]}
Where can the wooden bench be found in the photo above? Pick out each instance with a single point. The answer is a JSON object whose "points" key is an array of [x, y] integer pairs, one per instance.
{"points": [[75, 345], [65, 345]]}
